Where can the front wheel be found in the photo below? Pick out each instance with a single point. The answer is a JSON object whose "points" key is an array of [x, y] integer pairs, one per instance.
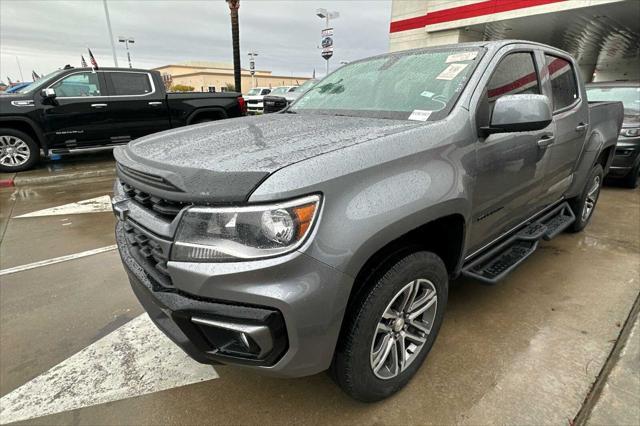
{"points": [[584, 205], [18, 151], [390, 330]]}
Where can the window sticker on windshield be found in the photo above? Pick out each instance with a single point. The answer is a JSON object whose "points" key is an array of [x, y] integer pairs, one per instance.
{"points": [[420, 115], [461, 57], [451, 71], [427, 94]]}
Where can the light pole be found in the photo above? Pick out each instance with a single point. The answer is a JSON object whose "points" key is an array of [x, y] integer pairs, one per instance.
{"points": [[234, 5], [327, 51], [252, 68], [113, 45], [126, 41]]}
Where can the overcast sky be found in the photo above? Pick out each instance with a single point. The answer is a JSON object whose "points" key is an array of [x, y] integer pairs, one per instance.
{"points": [[47, 34]]}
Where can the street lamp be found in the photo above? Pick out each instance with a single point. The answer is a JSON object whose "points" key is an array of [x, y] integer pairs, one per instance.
{"points": [[327, 52], [252, 67], [127, 41]]}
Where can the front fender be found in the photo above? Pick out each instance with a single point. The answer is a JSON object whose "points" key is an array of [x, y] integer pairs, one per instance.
{"points": [[37, 130], [375, 192]]}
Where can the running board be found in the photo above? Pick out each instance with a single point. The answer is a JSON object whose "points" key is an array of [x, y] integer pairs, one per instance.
{"points": [[496, 264]]}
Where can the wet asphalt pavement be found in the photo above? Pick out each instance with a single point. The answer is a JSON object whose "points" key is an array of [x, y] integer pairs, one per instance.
{"points": [[524, 351]]}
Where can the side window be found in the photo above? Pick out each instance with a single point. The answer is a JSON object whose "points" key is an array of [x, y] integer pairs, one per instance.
{"points": [[515, 74], [564, 87], [80, 84], [130, 83], [266, 91]]}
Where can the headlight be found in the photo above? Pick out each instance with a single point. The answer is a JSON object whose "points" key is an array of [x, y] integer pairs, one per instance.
{"points": [[630, 132], [233, 233]]}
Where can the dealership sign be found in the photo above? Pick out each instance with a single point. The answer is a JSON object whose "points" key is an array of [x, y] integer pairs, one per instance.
{"points": [[327, 43]]}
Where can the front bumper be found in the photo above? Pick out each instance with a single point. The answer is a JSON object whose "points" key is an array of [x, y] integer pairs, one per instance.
{"points": [[299, 300], [626, 157]]}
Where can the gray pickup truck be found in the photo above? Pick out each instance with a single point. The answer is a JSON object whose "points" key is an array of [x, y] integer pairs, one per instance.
{"points": [[326, 236]]}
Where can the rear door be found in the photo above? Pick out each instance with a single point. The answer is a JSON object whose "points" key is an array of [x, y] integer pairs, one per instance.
{"points": [[508, 178], [77, 116], [571, 120], [136, 106]]}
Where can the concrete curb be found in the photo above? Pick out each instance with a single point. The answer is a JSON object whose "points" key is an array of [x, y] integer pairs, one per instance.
{"points": [[43, 180]]}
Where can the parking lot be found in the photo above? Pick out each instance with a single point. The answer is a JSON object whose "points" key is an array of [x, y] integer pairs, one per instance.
{"points": [[525, 351]]}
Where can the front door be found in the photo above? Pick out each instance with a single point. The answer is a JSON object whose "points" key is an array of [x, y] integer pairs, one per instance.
{"points": [[136, 107], [509, 167], [77, 115]]}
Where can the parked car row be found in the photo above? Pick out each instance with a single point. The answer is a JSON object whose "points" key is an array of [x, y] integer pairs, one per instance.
{"points": [[276, 101]]}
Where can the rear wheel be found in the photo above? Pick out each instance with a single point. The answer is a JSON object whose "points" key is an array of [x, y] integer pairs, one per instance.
{"points": [[390, 330], [584, 205], [18, 151]]}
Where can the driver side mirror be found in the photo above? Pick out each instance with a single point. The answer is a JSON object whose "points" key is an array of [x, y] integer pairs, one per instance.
{"points": [[519, 113], [48, 93]]}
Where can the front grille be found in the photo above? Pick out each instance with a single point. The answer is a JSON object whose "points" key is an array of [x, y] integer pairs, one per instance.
{"points": [[151, 253], [167, 208]]}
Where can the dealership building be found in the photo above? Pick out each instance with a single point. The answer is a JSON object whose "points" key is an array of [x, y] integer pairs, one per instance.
{"points": [[216, 77], [603, 35]]}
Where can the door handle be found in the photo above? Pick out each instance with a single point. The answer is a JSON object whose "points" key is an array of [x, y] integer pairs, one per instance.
{"points": [[582, 127], [98, 105], [545, 141], [154, 103]]}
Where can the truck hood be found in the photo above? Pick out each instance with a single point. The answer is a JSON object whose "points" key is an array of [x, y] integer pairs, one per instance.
{"points": [[224, 161]]}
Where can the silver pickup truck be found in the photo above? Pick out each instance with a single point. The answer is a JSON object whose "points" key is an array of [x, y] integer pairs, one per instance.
{"points": [[326, 236]]}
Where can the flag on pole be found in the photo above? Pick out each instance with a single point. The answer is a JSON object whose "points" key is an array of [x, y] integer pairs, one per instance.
{"points": [[83, 63], [34, 75], [94, 64], [9, 80], [314, 74]]}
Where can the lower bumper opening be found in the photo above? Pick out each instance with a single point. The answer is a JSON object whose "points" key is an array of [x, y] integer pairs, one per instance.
{"points": [[261, 340]]}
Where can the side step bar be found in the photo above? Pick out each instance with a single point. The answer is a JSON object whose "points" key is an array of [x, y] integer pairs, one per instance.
{"points": [[496, 263]]}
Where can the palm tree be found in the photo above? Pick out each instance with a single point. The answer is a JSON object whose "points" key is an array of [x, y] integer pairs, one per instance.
{"points": [[234, 5]]}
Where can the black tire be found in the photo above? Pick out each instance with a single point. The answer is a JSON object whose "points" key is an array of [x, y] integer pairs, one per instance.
{"points": [[7, 140], [352, 364], [632, 179], [578, 204]]}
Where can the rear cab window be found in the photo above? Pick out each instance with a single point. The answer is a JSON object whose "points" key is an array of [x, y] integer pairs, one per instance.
{"points": [[130, 83], [564, 87]]}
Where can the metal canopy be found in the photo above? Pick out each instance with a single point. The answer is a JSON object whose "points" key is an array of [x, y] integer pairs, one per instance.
{"points": [[593, 35]]}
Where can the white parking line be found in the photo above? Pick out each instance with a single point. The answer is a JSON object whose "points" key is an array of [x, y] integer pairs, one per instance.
{"points": [[93, 205], [56, 260], [136, 359]]}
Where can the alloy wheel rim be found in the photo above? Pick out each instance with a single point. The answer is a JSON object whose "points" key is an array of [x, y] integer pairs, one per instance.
{"points": [[403, 329], [592, 198], [14, 151]]}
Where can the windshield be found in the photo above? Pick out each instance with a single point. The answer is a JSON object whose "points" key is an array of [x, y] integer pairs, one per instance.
{"points": [[279, 91], [629, 96], [306, 86], [419, 86], [254, 91], [39, 82]]}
